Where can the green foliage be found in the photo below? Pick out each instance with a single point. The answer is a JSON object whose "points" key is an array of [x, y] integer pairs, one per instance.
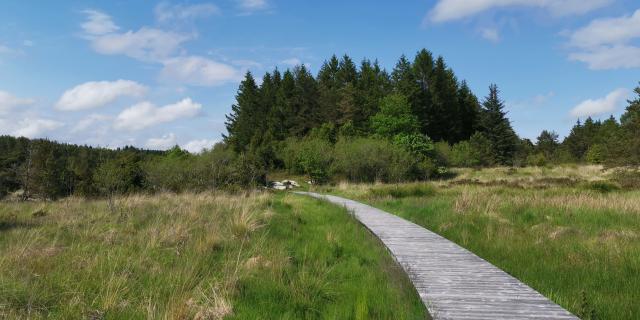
{"points": [[596, 154], [537, 159], [120, 175], [310, 156], [497, 129], [602, 186], [369, 160], [417, 144], [394, 117]]}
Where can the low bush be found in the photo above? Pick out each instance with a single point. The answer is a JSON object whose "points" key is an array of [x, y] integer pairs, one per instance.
{"points": [[602, 186], [370, 160], [627, 178]]}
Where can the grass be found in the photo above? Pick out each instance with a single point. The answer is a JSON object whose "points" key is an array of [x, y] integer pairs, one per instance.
{"points": [[200, 256], [570, 233]]}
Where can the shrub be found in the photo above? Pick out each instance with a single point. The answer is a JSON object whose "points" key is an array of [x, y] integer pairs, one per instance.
{"points": [[537, 159], [627, 178], [310, 156], [369, 160], [602, 186], [417, 144], [596, 154]]}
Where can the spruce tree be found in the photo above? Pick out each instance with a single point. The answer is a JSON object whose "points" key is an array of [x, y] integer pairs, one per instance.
{"points": [[240, 123], [469, 111], [444, 121], [423, 65], [497, 128]]}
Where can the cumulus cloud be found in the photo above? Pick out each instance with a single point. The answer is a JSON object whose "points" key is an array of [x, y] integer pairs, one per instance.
{"points": [[595, 107], [165, 11], [447, 10], [146, 114], [9, 101], [149, 44], [199, 71], [607, 43], [197, 146], [144, 44], [163, 143], [96, 94], [36, 128], [98, 23]]}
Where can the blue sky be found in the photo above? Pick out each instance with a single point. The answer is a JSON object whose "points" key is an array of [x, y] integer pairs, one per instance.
{"points": [[155, 74]]}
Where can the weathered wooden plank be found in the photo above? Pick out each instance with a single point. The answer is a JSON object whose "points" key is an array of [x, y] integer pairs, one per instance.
{"points": [[452, 282]]}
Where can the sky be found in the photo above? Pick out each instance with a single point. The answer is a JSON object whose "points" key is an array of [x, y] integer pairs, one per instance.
{"points": [[157, 74]]}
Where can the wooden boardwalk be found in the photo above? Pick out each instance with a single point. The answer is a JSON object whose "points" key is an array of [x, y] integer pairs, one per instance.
{"points": [[453, 283]]}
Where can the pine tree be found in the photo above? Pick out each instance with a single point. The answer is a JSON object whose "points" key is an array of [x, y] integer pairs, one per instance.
{"points": [[372, 85], [328, 88], [307, 113], [444, 121], [241, 122], [497, 128], [405, 83], [423, 66], [469, 111], [547, 143]]}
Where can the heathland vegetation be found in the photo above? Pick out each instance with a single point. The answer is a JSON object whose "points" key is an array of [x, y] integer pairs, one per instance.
{"points": [[195, 256], [570, 232]]}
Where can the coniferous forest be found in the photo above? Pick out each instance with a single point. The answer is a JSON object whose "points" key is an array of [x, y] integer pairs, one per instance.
{"points": [[350, 121]]}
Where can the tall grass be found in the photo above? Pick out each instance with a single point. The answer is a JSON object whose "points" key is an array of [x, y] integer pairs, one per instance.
{"points": [[199, 256], [578, 243]]}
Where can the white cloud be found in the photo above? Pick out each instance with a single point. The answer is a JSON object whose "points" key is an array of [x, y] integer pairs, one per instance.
{"points": [[163, 143], [98, 23], [144, 44], [197, 146], [607, 31], [147, 44], [195, 70], [594, 107], [614, 57], [9, 101], [607, 43], [447, 10], [96, 94], [146, 114], [490, 34], [90, 122], [253, 5], [36, 128], [165, 11]]}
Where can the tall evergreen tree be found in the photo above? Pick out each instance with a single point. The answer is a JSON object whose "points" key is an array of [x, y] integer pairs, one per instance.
{"points": [[328, 88], [372, 85], [405, 83], [423, 66], [241, 122], [307, 113], [444, 121], [469, 111], [496, 127]]}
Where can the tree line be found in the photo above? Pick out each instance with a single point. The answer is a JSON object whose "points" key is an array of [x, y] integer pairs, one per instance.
{"points": [[359, 123]]}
